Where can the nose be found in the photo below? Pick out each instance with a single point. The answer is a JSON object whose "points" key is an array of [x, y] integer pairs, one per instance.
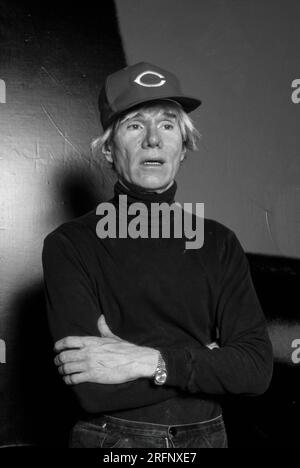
{"points": [[152, 137]]}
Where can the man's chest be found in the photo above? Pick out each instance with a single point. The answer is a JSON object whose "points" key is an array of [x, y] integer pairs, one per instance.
{"points": [[159, 285]]}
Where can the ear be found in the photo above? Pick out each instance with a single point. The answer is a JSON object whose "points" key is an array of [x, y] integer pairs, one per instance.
{"points": [[106, 150], [182, 156]]}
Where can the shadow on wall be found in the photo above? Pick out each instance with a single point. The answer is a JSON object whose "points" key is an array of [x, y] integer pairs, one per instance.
{"points": [[81, 186], [45, 404]]}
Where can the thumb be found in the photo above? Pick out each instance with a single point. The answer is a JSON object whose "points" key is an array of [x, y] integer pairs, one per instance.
{"points": [[104, 329]]}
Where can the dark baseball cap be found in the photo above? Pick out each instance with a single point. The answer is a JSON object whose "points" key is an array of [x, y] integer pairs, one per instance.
{"points": [[136, 84]]}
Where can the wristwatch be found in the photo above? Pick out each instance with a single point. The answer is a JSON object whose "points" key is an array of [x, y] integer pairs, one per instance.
{"points": [[160, 375]]}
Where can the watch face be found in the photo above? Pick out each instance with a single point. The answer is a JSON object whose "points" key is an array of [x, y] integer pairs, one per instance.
{"points": [[160, 377]]}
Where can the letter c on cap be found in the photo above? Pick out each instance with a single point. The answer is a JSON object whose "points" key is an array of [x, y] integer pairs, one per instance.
{"points": [[139, 81]]}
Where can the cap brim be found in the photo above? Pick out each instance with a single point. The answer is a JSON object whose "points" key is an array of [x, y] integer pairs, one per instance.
{"points": [[188, 103]]}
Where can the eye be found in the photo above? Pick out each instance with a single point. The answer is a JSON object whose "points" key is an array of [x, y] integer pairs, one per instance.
{"points": [[167, 125], [134, 126]]}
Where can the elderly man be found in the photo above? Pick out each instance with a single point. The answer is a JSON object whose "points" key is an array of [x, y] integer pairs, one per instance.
{"points": [[150, 334]]}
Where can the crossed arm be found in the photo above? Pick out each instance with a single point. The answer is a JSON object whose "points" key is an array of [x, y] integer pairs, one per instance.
{"points": [[106, 360]]}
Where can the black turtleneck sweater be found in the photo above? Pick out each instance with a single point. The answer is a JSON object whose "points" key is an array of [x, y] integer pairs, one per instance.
{"points": [[156, 293]]}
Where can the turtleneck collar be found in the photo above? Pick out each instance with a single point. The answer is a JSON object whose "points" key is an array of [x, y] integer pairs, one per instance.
{"points": [[136, 194]]}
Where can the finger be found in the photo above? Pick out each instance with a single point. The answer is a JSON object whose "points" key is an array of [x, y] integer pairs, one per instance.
{"points": [[72, 342], [74, 379], [68, 356], [71, 368], [104, 328]]}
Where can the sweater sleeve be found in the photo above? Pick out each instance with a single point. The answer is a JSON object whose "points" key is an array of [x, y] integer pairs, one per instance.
{"points": [[243, 363], [73, 310]]}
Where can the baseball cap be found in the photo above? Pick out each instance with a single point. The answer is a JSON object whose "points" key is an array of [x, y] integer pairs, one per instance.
{"points": [[139, 83]]}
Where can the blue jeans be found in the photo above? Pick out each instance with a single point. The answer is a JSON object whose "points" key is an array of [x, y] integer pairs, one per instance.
{"points": [[110, 432]]}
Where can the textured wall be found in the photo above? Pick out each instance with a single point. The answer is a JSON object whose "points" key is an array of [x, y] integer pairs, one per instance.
{"points": [[241, 58], [54, 56]]}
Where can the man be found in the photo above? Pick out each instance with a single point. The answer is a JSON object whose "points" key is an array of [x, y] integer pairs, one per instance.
{"points": [[150, 334]]}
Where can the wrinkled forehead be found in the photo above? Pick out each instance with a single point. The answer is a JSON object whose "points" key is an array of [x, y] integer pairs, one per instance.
{"points": [[164, 108]]}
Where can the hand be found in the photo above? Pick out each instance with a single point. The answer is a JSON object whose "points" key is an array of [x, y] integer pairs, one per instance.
{"points": [[107, 359]]}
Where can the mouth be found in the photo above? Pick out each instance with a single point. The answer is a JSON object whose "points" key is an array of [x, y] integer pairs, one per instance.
{"points": [[153, 162]]}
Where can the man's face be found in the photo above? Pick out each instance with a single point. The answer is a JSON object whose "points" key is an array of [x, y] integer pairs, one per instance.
{"points": [[147, 147]]}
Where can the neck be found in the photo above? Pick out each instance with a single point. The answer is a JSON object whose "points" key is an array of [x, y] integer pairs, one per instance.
{"points": [[138, 194], [137, 188]]}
